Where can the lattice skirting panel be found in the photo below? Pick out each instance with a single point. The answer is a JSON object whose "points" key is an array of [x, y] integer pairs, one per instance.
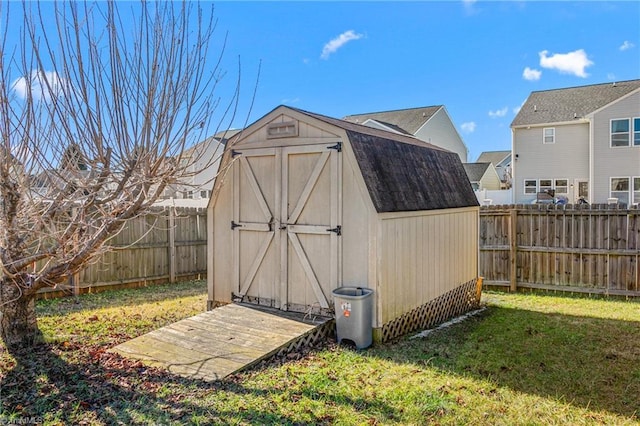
{"points": [[313, 337], [454, 303]]}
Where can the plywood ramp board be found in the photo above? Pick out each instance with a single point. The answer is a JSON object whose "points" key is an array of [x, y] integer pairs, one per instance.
{"points": [[217, 343]]}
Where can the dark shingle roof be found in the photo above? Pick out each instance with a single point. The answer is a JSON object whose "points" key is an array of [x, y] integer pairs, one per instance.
{"points": [[403, 173], [408, 120], [475, 171], [494, 157], [563, 105]]}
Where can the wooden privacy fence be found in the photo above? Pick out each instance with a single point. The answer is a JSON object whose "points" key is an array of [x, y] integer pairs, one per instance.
{"points": [[589, 249], [163, 246]]}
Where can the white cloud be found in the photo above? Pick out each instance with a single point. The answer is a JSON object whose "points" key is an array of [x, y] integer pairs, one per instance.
{"points": [[338, 42], [498, 113], [468, 127], [517, 109], [38, 82], [626, 45], [290, 101], [531, 74], [566, 63], [469, 6]]}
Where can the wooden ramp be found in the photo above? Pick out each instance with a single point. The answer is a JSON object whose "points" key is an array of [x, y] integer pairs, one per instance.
{"points": [[217, 343]]}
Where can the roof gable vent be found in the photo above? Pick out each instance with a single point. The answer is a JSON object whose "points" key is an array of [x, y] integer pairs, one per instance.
{"points": [[287, 129]]}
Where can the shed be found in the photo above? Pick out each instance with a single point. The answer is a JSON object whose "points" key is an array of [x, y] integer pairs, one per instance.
{"points": [[305, 203]]}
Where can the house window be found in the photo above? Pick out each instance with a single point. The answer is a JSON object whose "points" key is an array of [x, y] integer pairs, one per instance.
{"points": [[545, 185], [620, 189], [636, 190], [620, 132], [561, 186], [636, 132], [204, 194], [530, 186], [549, 135]]}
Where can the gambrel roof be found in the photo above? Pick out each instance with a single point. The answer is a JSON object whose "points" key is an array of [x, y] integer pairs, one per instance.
{"points": [[403, 173], [408, 120], [569, 104]]}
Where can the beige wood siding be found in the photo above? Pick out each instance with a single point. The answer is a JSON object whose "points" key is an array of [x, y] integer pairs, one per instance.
{"points": [[356, 217], [307, 133], [423, 255], [613, 162], [221, 244]]}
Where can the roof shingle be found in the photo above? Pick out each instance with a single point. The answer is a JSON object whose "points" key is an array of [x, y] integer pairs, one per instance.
{"points": [[564, 105], [403, 173], [409, 120], [493, 157], [475, 171]]}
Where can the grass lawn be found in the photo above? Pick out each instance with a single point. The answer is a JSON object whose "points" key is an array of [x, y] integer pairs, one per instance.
{"points": [[524, 360]]}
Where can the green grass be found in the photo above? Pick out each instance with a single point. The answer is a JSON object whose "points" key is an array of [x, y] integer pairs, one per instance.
{"points": [[525, 360]]}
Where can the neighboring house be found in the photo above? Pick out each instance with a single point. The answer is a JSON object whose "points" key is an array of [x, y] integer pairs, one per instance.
{"points": [[205, 157], [72, 172], [501, 160], [579, 141], [482, 176], [430, 124]]}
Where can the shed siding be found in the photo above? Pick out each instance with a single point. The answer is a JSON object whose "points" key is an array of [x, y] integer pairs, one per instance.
{"points": [[567, 158], [424, 255], [221, 259], [613, 162], [307, 134], [356, 215], [440, 131]]}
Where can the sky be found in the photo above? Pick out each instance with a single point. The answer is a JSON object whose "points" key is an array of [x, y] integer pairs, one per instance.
{"points": [[479, 59]]}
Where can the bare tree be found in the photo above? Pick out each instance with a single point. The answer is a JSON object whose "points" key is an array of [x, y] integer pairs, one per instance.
{"points": [[96, 109]]}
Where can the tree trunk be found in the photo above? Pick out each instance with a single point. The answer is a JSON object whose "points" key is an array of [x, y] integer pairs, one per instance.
{"points": [[18, 323]]}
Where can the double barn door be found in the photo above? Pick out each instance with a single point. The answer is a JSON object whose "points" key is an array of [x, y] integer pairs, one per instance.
{"points": [[286, 225]]}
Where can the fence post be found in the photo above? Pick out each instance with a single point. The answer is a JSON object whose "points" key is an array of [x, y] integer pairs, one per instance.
{"points": [[513, 248], [172, 245]]}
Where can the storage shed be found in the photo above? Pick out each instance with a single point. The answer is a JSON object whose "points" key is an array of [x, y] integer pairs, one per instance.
{"points": [[304, 204]]}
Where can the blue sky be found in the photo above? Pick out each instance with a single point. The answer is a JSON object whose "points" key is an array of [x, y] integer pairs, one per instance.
{"points": [[478, 59]]}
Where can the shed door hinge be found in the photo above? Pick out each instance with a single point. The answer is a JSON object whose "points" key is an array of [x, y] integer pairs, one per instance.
{"points": [[234, 153], [234, 225], [337, 230], [337, 147]]}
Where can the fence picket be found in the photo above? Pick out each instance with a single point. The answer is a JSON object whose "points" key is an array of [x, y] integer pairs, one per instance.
{"points": [[594, 249], [165, 245]]}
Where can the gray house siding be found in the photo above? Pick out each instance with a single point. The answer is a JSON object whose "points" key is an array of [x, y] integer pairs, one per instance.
{"points": [[567, 158], [440, 131], [610, 161]]}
